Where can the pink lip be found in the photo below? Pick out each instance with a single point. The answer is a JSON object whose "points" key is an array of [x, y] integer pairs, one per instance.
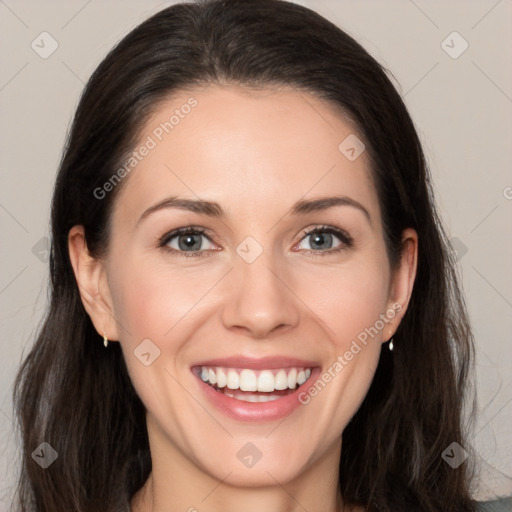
{"points": [[256, 411], [263, 363]]}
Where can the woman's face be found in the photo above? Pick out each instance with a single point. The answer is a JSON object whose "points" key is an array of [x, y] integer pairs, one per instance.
{"points": [[257, 303]]}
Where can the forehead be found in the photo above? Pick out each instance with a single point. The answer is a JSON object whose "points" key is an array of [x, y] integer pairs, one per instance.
{"points": [[247, 149]]}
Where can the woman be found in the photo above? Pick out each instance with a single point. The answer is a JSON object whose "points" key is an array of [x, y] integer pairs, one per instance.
{"points": [[203, 349]]}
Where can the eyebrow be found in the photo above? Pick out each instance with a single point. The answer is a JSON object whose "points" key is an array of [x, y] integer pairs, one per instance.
{"points": [[213, 209]]}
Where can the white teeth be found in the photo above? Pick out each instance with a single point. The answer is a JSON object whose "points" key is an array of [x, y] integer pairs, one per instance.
{"points": [[253, 398], [233, 380], [247, 380], [281, 380], [292, 378], [266, 381], [221, 378], [269, 398]]}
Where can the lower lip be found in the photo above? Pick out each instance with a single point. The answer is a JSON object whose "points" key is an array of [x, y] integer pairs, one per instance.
{"points": [[256, 411]]}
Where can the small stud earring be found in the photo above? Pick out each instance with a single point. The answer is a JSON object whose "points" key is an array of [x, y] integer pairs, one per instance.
{"points": [[390, 346], [105, 340]]}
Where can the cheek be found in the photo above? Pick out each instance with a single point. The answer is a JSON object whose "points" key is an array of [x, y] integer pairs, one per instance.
{"points": [[153, 302], [150, 298], [348, 298], [350, 302]]}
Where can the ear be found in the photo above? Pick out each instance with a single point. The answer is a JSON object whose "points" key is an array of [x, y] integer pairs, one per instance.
{"points": [[402, 281], [91, 278]]}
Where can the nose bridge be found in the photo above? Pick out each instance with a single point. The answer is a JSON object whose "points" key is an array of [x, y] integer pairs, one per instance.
{"points": [[258, 299], [260, 278]]}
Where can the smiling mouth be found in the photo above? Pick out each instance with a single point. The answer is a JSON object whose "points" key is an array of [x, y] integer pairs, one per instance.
{"points": [[251, 385]]}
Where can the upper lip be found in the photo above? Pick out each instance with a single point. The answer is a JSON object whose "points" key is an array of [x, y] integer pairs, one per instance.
{"points": [[263, 363]]}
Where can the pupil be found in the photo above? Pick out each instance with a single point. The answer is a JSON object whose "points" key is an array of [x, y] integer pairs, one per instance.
{"points": [[318, 240], [189, 242]]}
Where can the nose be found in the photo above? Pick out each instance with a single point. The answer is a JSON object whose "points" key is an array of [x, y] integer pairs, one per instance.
{"points": [[261, 299]]}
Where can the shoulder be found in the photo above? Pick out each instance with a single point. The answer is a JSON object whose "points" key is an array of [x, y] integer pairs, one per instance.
{"points": [[499, 505]]}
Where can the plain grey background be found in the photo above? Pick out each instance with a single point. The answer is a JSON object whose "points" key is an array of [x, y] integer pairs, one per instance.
{"points": [[451, 61]]}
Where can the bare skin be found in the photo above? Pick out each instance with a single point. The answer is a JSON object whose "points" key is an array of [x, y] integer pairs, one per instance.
{"points": [[255, 153]]}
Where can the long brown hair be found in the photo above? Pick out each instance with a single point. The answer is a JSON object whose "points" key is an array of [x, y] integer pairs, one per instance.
{"points": [[78, 397]]}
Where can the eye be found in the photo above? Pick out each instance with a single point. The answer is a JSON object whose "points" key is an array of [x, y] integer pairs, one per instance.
{"points": [[188, 241], [185, 240], [322, 238]]}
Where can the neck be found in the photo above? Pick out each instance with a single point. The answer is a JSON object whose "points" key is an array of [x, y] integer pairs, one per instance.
{"points": [[223, 497]]}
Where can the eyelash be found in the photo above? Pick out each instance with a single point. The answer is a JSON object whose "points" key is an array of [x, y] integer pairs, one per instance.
{"points": [[345, 239]]}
